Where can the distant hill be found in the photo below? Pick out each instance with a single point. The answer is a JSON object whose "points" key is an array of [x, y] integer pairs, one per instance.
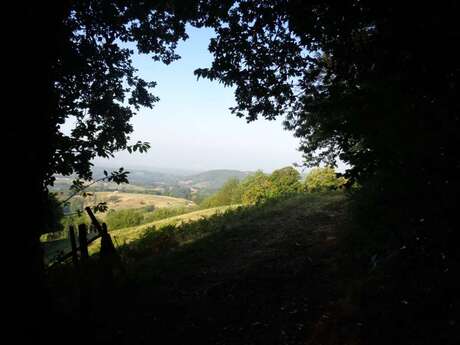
{"points": [[142, 177], [160, 182], [209, 180], [212, 179]]}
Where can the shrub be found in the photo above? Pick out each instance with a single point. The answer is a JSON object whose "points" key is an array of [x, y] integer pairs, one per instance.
{"points": [[285, 181], [256, 188], [124, 218], [322, 180], [230, 193], [162, 213]]}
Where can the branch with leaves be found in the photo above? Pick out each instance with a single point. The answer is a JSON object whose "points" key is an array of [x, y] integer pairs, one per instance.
{"points": [[141, 146], [78, 187]]}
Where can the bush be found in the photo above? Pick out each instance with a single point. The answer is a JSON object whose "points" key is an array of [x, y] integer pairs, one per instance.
{"points": [[54, 215], [285, 181], [162, 213], [124, 218], [256, 188], [322, 180], [229, 194]]}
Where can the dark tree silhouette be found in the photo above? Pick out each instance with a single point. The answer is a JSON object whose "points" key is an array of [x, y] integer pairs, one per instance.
{"points": [[72, 60], [376, 84], [356, 79]]}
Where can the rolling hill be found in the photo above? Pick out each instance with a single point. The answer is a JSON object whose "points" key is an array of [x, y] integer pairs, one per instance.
{"points": [[212, 179], [119, 201], [159, 182]]}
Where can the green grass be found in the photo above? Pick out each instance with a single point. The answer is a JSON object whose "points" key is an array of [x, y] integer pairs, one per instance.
{"points": [[227, 275], [216, 231], [127, 235], [282, 272], [197, 224], [119, 201], [115, 201]]}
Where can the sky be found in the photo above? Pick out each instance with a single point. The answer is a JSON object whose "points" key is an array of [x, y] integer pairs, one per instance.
{"points": [[192, 128]]}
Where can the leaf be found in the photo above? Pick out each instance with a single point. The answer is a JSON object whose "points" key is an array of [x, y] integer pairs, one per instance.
{"points": [[100, 207], [77, 185]]}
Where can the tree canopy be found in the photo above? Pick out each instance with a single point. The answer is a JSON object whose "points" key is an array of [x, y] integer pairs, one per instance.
{"points": [[229, 193], [92, 79], [285, 181], [256, 188], [323, 179], [354, 78]]}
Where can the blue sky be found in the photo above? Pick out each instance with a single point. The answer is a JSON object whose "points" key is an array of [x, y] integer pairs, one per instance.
{"points": [[191, 126]]}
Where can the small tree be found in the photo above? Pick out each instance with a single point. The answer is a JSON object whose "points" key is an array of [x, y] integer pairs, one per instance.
{"points": [[230, 193], [256, 188], [285, 181], [323, 179]]}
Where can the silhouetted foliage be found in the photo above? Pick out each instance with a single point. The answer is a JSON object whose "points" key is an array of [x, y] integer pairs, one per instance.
{"points": [[54, 215], [357, 81], [72, 60], [353, 77]]}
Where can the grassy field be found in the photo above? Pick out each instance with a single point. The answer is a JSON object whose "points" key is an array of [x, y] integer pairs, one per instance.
{"points": [[116, 201], [127, 235], [264, 274], [281, 272], [119, 201]]}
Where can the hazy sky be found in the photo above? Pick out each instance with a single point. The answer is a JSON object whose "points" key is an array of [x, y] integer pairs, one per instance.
{"points": [[191, 126]]}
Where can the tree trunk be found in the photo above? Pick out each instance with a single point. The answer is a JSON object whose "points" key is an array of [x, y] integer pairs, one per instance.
{"points": [[33, 33]]}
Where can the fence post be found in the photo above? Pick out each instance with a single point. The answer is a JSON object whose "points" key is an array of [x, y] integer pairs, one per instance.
{"points": [[74, 246], [106, 257], [107, 247], [93, 219], [82, 231], [85, 294]]}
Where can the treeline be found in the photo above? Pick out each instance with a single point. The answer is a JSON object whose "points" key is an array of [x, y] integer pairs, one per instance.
{"points": [[256, 188], [261, 187], [132, 217]]}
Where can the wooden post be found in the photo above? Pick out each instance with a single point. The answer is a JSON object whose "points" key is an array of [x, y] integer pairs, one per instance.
{"points": [[85, 294], [108, 256], [108, 251], [74, 246], [93, 219], [83, 242], [107, 247]]}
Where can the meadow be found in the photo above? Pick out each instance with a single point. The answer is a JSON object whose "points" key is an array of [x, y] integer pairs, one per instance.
{"points": [[130, 215], [122, 236], [123, 209], [229, 274], [119, 200]]}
